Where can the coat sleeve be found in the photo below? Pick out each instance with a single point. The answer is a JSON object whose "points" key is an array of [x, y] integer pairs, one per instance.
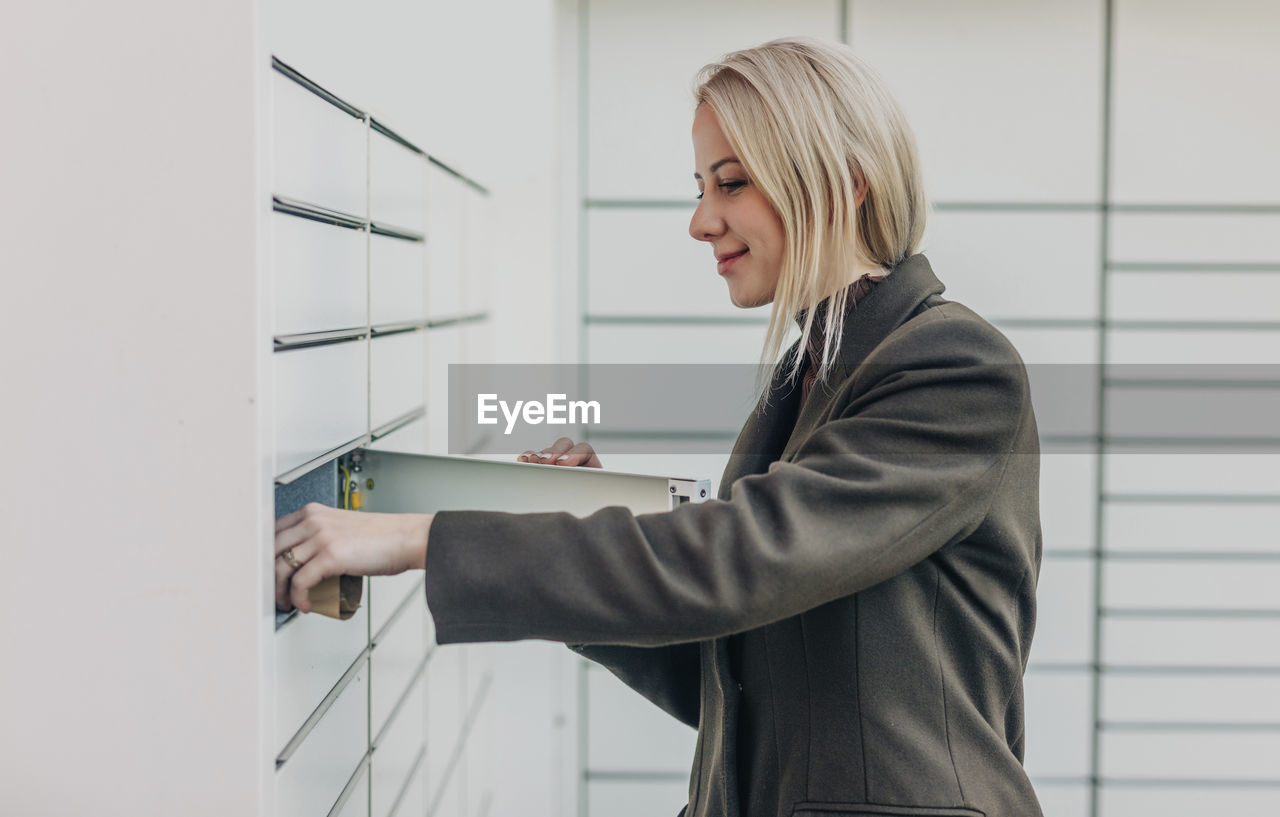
{"points": [[910, 463]]}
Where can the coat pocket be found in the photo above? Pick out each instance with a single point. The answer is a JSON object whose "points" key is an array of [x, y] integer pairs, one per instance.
{"points": [[876, 810]]}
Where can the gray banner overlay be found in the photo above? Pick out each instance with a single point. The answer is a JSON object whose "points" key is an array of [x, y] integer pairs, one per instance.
{"points": [[699, 408]]}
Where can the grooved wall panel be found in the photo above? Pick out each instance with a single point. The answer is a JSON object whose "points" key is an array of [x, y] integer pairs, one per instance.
{"points": [[986, 131], [1164, 546], [1175, 57]]}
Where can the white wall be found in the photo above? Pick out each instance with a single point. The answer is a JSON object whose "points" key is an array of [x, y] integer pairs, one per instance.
{"points": [[132, 392]]}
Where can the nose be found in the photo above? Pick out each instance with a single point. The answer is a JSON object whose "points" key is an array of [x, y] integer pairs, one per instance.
{"points": [[706, 224]]}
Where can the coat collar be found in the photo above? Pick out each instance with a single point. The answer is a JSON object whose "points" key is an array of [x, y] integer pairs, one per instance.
{"points": [[774, 431]]}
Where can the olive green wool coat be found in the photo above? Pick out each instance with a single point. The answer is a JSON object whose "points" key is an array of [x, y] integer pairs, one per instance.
{"points": [[847, 625]]}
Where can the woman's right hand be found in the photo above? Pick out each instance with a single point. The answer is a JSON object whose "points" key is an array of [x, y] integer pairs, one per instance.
{"points": [[564, 452]]}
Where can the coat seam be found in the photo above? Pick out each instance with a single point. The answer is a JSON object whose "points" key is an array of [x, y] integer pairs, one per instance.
{"points": [[808, 705], [857, 694], [942, 677], [773, 713]]}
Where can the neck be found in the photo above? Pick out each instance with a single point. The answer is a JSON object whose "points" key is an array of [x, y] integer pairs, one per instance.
{"points": [[845, 279]]}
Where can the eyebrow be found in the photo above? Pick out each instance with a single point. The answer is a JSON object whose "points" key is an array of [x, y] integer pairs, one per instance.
{"points": [[726, 160]]}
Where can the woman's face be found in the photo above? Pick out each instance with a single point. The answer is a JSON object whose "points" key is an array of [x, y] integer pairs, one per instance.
{"points": [[734, 217]]}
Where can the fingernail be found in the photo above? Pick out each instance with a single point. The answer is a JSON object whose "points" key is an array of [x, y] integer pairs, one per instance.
{"points": [[562, 457], [545, 456]]}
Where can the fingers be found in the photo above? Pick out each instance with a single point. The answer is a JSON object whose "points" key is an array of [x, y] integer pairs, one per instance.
{"points": [[305, 578], [549, 454], [581, 454], [327, 542], [284, 571], [295, 527], [289, 520], [283, 574], [293, 531], [292, 537]]}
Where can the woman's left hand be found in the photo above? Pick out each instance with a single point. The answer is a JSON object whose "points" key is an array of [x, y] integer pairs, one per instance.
{"points": [[328, 541]]}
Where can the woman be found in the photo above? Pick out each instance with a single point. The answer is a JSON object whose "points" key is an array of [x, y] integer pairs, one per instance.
{"points": [[848, 624]]}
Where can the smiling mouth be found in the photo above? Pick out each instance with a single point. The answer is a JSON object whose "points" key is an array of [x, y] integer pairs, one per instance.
{"points": [[725, 262]]}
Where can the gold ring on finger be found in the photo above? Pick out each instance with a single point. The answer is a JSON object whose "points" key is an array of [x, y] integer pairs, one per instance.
{"points": [[290, 559]]}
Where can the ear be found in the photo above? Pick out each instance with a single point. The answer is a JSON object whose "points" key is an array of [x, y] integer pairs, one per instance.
{"points": [[860, 186]]}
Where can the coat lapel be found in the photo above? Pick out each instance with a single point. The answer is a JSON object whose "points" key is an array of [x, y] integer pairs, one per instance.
{"points": [[766, 431], [886, 307], [774, 431]]}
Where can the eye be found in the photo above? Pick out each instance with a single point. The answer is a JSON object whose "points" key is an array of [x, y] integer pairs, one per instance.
{"points": [[730, 185]]}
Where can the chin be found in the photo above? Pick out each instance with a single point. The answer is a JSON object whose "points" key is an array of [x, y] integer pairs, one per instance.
{"points": [[749, 300]]}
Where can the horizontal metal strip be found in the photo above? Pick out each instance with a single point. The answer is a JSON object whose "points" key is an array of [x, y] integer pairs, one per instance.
{"points": [[1039, 780], [1071, 667], [1253, 445], [302, 209], [1186, 726], [1129, 325], [1193, 207], [397, 232], [314, 718], [1192, 384], [285, 343], [401, 606], [1194, 499], [414, 770], [404, 696], [441, 323], [1186, 783], [397, 328], [1190, 556], [1113, 555], [1192, 266], [307, 467], [382, 128], [456, 751], [1186, 613], [328, 96], [633, 776], [674, 320], [1065, 667], [473, 184], [1070, 443], [398, 423], [1194, 326], [1173, 669], [350, 788]]}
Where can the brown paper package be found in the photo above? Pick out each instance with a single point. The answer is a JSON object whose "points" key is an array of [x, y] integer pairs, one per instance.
{"points": [[337, 596]]}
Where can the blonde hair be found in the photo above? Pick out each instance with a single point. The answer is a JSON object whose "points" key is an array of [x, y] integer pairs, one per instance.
{"points": [[809, 120]]}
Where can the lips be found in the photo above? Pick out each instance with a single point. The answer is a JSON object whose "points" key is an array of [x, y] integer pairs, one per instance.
{"points": [[724, 262]]}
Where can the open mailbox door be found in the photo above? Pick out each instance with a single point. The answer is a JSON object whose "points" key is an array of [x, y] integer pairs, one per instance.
{"points": [[397, 482], [589, 713]]}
